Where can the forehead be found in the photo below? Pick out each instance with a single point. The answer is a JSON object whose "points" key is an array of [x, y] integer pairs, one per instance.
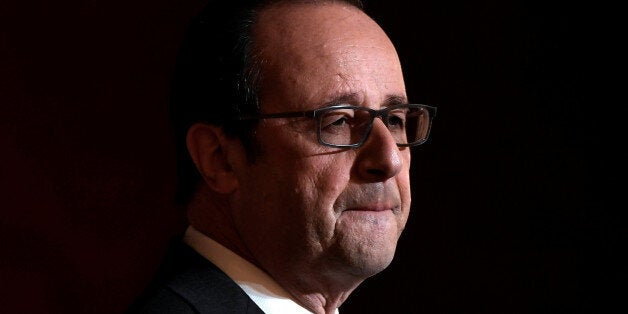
{"points": [[312, 53]]}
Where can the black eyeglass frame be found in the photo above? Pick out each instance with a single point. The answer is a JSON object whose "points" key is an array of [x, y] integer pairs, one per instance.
{"points": [[382, 114]]}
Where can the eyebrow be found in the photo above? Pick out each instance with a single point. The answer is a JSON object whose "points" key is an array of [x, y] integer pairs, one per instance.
{"points": [[354, 98], [392, 100], [345, 98]]}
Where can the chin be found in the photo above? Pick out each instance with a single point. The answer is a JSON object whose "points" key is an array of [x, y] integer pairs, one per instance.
{"points": [[367, 266], [366, 241], [367, 257]]}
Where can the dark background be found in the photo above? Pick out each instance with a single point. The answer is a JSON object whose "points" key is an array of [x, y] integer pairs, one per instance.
{"points": [[511, 209]]}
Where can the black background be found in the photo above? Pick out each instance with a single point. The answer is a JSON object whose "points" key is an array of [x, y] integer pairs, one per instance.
{"points": [[512, 209]]}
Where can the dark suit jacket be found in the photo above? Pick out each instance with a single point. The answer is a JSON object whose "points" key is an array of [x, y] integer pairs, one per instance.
{"points": [[188, 283]]}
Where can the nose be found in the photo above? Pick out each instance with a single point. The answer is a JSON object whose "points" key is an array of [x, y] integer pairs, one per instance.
{"points": [[379, 158]]}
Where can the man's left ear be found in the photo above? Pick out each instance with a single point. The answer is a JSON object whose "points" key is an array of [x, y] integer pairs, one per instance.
{"points": [[208, 146]]}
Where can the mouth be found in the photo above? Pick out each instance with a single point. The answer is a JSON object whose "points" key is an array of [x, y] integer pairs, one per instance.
{"points": [[373, 208]]}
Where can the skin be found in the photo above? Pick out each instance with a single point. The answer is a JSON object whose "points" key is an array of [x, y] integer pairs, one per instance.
{"points": [[319, 220]]}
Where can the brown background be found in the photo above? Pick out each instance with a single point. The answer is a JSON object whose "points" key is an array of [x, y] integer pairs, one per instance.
{"points": [[506, 215]]}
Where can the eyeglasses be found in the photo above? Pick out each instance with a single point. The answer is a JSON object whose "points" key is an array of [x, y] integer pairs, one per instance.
{"points": [[350, 126]]}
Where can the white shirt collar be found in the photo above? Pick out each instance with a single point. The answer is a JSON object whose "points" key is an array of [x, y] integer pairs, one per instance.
{"points": [[258, 285]]}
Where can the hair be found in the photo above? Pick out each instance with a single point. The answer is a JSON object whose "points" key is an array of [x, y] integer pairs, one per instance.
{"points": [[217, 78]]}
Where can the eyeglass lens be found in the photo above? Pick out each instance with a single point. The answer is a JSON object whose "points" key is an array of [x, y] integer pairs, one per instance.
{"points": [[350, 126]]}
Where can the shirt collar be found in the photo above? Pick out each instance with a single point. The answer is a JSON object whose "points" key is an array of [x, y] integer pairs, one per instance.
{"points": [[258, 285]]}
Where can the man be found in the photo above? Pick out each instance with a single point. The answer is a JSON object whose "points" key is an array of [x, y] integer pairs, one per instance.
{"points": [[294, 115]]}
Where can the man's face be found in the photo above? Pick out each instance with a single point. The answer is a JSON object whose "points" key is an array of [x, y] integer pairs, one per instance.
{"points": [[304, 207]]}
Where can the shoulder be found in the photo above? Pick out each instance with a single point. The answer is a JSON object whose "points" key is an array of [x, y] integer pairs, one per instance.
{"points": [[188, 283], [165, 301]]}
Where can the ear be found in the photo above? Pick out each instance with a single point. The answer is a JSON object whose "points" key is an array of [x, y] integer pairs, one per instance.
{"points": [[207, 145]]}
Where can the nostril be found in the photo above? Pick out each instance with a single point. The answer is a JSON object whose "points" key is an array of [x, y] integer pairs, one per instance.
{"points": [[376, 172]]}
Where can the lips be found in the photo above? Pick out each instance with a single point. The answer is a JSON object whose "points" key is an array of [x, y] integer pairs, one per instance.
{"points": [[370, 198], [372, 208]]}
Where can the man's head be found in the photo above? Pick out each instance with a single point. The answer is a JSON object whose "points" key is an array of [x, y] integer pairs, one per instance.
{"points": [[345, 206], [318, 219]]}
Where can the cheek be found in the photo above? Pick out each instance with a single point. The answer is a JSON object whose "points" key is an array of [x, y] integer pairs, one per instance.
{"points": [[310, 176], [325, 177], [403, 184], [407, 160], [403, 178]]}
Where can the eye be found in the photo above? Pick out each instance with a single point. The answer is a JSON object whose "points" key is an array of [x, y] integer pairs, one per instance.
{"points": [[337, 120], [397, 120]]}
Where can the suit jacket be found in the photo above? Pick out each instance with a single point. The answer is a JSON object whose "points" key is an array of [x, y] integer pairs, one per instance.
{"points": [[186, 282]]}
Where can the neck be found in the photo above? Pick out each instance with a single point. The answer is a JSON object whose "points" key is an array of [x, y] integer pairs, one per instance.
{"points": [[308, 284], [209, 213], [315, 289], [320, 303]]}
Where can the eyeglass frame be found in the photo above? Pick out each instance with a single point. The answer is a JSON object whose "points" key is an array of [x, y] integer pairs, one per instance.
{"points": [[382, 113]]}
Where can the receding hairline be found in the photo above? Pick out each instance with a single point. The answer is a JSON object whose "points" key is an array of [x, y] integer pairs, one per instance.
{"points": [[278, 30], [279, 4]]}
